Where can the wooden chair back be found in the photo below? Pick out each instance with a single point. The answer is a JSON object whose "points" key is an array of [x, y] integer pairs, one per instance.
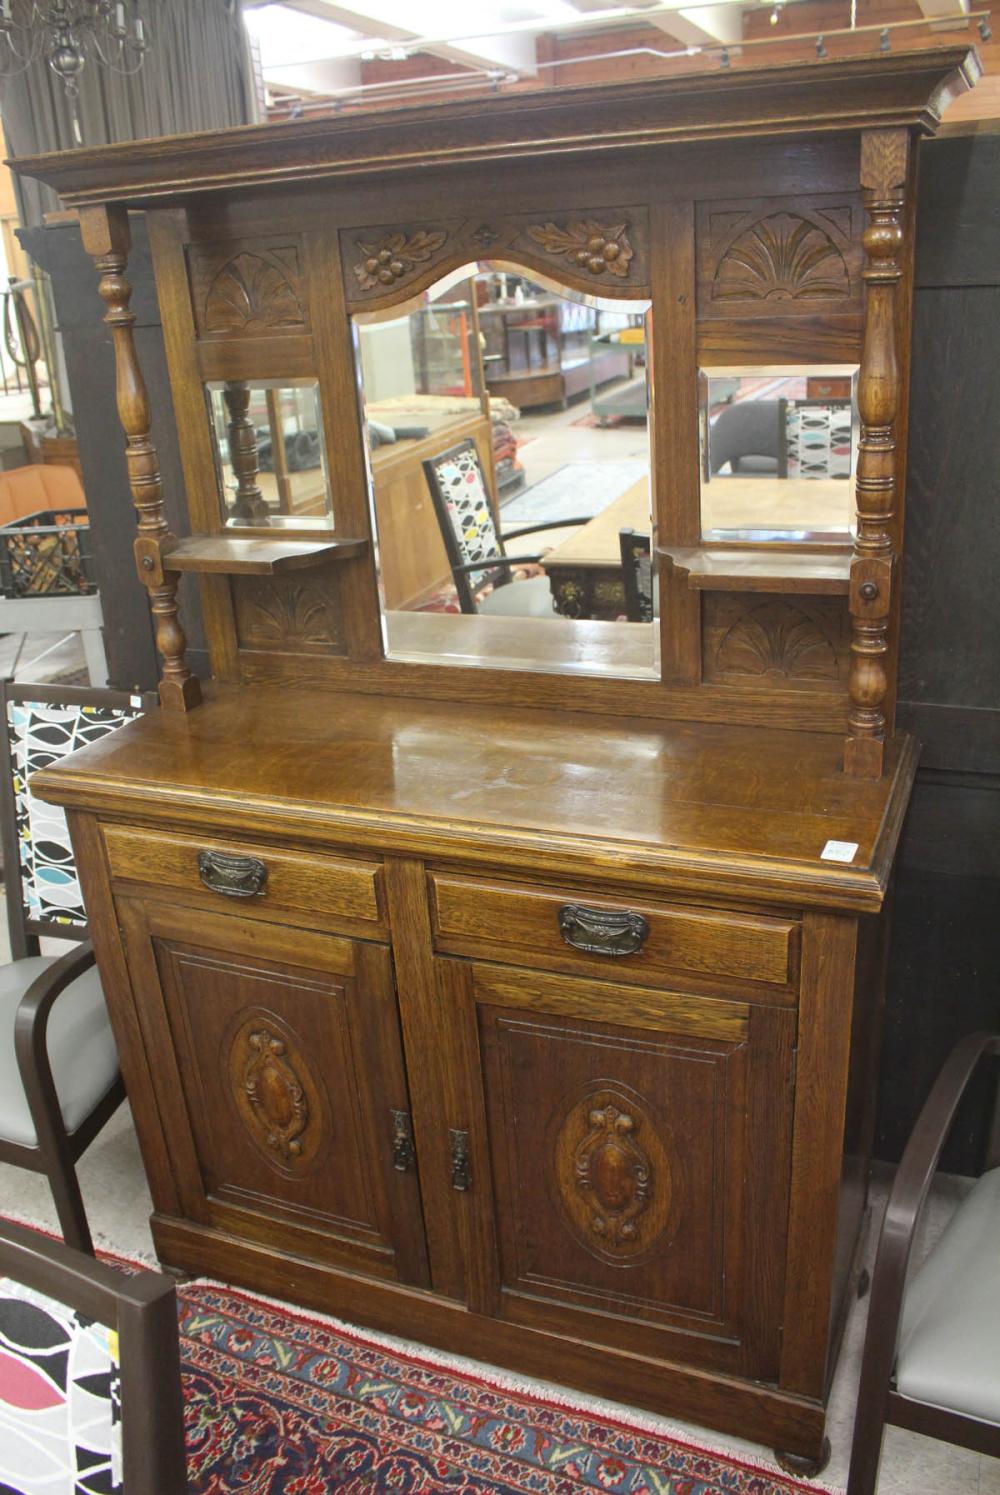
{"points": [[112, 1393]]}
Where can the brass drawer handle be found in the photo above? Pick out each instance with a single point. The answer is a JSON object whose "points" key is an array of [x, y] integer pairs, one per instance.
{"points": [[599, 931], [234, 876]]}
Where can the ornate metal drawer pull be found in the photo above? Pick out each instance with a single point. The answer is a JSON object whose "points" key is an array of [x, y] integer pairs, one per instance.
{"points": [[403, 1154], [600, 931], [461, 1176], [235, 876]]}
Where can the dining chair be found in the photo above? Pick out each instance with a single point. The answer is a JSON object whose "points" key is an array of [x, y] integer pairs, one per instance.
{"points": [[931, 1358], [59, 1076], [818, 438], [480, 566], [90, 1383], [749, 436]]}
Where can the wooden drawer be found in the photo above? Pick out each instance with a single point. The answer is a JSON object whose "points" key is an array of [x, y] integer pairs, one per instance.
{"points": [[308, 888], [506, 921]]}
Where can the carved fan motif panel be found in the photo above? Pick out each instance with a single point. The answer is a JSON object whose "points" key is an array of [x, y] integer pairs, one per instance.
{"points": [[775, 257], [754, 639], [295, 614], [248, 287]]}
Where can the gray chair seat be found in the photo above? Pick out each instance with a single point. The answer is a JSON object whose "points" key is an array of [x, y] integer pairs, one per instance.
{"points": [[531, 598], [81, 1048], [949, 1337]]}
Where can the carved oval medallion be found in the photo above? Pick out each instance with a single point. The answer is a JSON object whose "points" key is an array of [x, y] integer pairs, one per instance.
{"points": [[613, 1174], [275, 1092]]}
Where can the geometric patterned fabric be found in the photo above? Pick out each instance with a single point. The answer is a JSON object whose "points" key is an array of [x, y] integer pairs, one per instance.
{"points": [[41, 733], [818, 439], [460, 482], [60, 1399]]}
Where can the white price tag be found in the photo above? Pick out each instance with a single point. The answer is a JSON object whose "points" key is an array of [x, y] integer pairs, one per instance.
{"points": [[839, 851], [135, 701]]}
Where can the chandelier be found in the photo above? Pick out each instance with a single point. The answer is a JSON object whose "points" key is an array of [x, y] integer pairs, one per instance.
{"points": [[66, 33]]}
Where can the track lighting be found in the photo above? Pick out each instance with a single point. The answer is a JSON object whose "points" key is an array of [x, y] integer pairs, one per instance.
{"points": [[820, 47], [883, 40], [985, 30]]}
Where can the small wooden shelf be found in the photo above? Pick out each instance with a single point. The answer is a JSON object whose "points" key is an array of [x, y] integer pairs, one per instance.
{"points": [[232, 555], [714, 569]]}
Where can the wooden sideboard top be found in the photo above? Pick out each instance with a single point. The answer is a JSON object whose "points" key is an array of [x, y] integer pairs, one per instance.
{"points": [[740, 812], [837, 94]]}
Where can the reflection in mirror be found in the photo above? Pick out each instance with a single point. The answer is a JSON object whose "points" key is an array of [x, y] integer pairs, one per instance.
{"points": [[269, 454], [509, 459], [778, 451]]}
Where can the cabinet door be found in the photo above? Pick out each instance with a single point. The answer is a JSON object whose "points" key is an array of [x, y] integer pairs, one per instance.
{"points": [[628, 1163], [280, 1081]]}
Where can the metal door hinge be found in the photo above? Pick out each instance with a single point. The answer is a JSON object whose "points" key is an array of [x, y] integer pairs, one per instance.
{"points": [[403, 1153], [461, 1177]]}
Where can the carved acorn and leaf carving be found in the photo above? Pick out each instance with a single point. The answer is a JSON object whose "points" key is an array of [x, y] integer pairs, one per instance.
{"points": [[391, 258], [613, 1174], [254, 291], [597, 248]]}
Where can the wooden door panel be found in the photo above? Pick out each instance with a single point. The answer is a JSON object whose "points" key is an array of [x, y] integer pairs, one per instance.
{"points": [[620, 1130], [288, 1071]]}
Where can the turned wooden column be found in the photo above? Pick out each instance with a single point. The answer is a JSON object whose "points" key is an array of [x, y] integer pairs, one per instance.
{"points": [[884, 166], [106, 238], [249, 505]]}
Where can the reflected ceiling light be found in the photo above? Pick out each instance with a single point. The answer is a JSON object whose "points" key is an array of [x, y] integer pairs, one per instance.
{"points": [[820, 47], [985, 30], [68, 35], [883, 40]]}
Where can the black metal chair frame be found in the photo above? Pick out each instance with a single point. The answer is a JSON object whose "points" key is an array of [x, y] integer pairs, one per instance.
{"points": [[633, 544], [143, 1311], [57, 1152], [878, 1400], [494, 569]]}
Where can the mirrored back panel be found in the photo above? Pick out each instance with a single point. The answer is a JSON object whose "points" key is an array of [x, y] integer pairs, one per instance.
{"points": [[778, 454], [508, 440], [270, 457]]}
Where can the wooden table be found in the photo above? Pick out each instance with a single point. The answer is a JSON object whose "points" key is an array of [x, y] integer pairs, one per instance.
{"points": [[585, 571]]}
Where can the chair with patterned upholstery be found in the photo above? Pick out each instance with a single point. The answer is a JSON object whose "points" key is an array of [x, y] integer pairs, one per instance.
{"points": [[931, 1359], [59, 1076], [90, 1384], [480, 566], [817, 438]]}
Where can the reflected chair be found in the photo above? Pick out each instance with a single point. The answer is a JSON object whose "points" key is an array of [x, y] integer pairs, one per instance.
{"points": [[59, 1076], [750, 436], [931, 1360], [817, 438], [476, 551], [90, 1396], [638, 581]]}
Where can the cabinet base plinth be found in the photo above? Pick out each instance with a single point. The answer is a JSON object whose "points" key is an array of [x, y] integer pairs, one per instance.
{"points": [[746, 1409]]}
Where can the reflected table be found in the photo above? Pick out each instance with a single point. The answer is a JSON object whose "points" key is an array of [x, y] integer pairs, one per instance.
{"points": [[585, 570]]}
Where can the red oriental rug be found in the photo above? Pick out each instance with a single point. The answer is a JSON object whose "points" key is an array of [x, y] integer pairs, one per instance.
{"points": [[283, 1404]]}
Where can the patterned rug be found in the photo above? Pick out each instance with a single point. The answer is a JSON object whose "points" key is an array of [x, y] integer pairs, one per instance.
{"points": [[283, 1404]]}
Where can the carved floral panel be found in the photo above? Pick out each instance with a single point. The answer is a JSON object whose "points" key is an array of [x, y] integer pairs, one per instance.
{"points": [[293, 614], [589, 249], [769, 257], [613, 1174], [275, 1092], [759, 640], [248, 287]]}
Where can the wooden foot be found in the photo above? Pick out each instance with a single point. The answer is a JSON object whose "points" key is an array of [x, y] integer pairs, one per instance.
{"points": [[801, 1465]]}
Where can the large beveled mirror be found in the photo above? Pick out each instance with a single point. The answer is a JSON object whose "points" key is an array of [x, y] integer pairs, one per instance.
{"points": [[778, 454], [508, 442]]}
